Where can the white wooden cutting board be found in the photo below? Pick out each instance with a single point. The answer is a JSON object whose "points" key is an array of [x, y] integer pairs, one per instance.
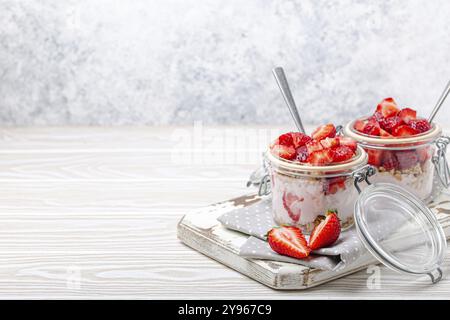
{"points": [[201, 231]]}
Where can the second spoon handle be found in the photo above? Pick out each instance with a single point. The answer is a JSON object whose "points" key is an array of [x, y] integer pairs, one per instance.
{"points": [[440, 102], [282, 82]]}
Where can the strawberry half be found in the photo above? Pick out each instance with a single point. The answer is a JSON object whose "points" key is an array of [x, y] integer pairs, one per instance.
{"points": [[290, 204], [407, 114], [348, 142], [326, 232], [330, 142], [299, 139], [321, 157], [405, 131], [342, 153], [322, 132], [387, 107], [288, 241], [284, 152]]}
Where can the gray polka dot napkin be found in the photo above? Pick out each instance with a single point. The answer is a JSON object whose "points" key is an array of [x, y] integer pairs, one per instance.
{"points": [[256, 220]]}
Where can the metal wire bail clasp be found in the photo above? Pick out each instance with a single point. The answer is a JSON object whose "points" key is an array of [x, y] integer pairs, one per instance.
{"points": [[363, 174], [261, 178], [440, 161]]}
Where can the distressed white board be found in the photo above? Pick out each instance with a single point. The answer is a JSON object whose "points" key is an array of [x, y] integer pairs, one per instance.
{"points": [[201, 231]]}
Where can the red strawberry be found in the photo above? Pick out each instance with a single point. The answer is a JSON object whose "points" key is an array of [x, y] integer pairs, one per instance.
{"points": [[288, 241], [327, 130], [359, 125], [342, 153], [284, 152], [377, 115], [332, 185], [302, 154], [387, 107], [326, 232], [329, 142], [389, 161], [405, 131], [420, 125], [299, 139], [374, 156], [349, 142], [407, 114], [372, 128], [391, 123], [290, 204], [407, 159], [385, 134], [313, 146], [285, 140], [321, 157]]}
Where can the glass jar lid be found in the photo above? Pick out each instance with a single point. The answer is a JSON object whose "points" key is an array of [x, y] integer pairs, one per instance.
{"points": [[400, 230]]}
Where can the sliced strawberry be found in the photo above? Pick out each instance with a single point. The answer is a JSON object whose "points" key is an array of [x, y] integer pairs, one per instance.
{"points": [[284, 152], [299, 139], [349, 142], [385, 134], [420, 125], [359, 125], [326, 232], [313, 146], [321, 157], [372, 128], [387, 107], [342, 153], [329, 142], [290, 204], [377, 115], [405, 131], [322, 132], [374, 157], [332, 185], [285, 140], [302, 154], [288, 241], [407, 114], [389, 161], [406, 159], [391, 123]]}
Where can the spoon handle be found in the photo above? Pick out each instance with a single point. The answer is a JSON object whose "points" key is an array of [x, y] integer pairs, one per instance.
{"points": [[282, 82], [440, 102]]}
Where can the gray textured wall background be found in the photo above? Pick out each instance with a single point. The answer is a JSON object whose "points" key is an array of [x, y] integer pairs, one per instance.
{"points": [[176, 61]]}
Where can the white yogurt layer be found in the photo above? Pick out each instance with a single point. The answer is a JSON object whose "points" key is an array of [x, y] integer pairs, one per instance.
{"points": [[299, 201], [418, 180]]}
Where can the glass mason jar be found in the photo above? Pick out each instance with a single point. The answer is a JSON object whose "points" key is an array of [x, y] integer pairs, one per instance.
{"points": [[302, 192], [409, 162]]}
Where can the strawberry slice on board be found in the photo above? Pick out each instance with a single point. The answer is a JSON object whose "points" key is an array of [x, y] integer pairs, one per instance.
{"points": [[288, 241], [299, 139], [291, 205], [326, 232], [348, 142], [321, 157], [420, 125], [407, 114], [322, 132], [387, 108], [342, 153], [285, 152], [405, 131], [328, 143]]}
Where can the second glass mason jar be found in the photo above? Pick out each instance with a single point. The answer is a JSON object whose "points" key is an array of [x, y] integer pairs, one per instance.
{"points": [[409, 162], [301, 192]]}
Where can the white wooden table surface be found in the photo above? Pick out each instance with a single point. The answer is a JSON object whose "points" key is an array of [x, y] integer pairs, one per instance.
{"points": [[92, 213]]}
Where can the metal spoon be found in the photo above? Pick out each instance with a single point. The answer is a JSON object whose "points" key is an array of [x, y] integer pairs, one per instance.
{"points": [[440, 102], [282, 82]]}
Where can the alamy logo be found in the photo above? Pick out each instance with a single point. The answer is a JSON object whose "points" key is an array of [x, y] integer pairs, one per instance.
{"points": [[374, 279]]}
